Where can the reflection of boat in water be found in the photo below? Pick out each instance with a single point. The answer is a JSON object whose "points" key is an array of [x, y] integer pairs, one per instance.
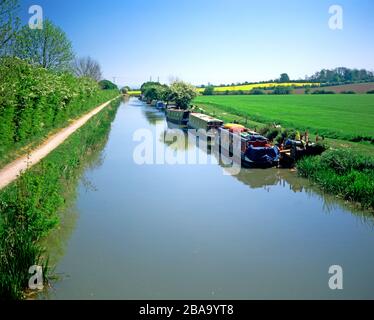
{"points": [[153, 116], [178, 116], [254, 149]]}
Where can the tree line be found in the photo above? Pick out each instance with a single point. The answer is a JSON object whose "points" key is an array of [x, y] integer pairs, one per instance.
{"points": [[179, 92], [48, 47], [42, 83]]}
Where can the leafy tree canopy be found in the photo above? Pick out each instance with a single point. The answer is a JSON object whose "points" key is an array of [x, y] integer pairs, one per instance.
{"points": [[48, 47], [107, 85]]}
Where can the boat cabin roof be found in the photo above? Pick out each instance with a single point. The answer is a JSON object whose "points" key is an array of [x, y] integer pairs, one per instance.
{"points": [[205, 117]]}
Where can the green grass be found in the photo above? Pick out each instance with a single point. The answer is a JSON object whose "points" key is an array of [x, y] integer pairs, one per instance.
{"points": [[344, 117], [29, 207], [344, 173]]}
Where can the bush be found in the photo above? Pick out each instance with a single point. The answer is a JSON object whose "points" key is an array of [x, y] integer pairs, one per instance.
{"points": [[208, 91], [343, 173], [370, 92], [33, 101], [107, 85], [348, 92], [29, 206], [283, 90], [270, 132], [323, 92], [257, 92]]}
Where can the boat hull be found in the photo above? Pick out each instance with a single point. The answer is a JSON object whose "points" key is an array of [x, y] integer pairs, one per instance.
{"points": [[177, 116]]}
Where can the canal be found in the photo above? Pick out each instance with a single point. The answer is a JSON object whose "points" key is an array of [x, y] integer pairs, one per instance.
{"points": [[191, 232]]}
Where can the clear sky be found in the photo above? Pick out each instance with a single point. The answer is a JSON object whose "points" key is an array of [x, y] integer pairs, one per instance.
{"points": [[216, 41]]}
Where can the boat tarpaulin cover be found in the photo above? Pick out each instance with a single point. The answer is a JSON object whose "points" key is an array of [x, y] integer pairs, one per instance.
{"points": [[262, 155]]}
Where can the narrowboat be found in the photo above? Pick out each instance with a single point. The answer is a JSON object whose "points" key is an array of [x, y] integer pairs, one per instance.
{"points": [[255, 150], [204, 125], [202, 121], [160, 105], [178, 116]]}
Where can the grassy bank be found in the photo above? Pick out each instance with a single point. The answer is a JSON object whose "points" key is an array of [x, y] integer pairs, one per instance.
{"points": [[344, 117], [343, 173], [29, 206], [346, 170], [35, 102]]}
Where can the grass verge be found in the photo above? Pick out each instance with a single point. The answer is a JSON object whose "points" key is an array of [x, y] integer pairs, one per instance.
{"points": [[28, 207]]}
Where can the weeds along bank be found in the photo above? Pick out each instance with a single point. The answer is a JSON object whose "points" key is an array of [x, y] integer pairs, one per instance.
{"points": [[339, 171], [35, 101], [343, 173], [29, 207]]}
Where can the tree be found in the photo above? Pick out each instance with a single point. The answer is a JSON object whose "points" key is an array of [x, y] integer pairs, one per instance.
{"points": [[147, 85], [107, 85], [48, 47], [87, 67], [9, 23], [283, 90], [208, 91], [182, 94], [284, 78], [125, 90]]}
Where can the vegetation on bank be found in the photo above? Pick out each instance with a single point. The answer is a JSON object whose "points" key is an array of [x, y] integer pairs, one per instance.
{"points": [[346, 169], [179, 92], [346, 117], [342, 173], [34, 101], [29, 207]]}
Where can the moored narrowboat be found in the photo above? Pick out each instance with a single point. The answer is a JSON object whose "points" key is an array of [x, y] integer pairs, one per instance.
{"points": [[202, 121], [255, 150], [178, 116]]}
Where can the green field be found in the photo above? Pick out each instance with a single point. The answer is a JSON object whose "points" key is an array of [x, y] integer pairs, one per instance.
{"points": [[334, 116]]}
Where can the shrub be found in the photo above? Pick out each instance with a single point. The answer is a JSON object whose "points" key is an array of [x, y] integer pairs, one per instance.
{"points": [[33, 101], [29, 206], [322, 91], [370, 92], [107, 85], [208, 91], [282, 90], [348, 92], [343, 173], [257, 92]]}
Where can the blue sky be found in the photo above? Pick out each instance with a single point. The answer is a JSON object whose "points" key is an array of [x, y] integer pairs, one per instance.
{"points": [[221, 41]]}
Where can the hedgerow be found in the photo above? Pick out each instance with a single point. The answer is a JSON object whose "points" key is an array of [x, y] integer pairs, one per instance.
{"points": [[34, 100]]}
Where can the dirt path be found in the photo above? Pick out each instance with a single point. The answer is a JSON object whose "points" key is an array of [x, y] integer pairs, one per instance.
{"points": [[10, 172]]}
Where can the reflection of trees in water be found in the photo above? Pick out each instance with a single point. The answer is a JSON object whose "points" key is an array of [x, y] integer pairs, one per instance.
{"points": [[176, 138], [152, 115], [57, 240], [267, 178]]}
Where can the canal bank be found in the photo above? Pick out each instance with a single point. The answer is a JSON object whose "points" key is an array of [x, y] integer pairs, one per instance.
{"points": [[190, 232]]}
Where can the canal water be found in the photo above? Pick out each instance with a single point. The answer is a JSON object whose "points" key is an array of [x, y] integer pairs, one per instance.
{"points": [[192, 232]]}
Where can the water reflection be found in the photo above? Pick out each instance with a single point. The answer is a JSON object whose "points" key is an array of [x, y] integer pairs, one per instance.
{"points": [[189, 232], [262, 178], [57, 241]]}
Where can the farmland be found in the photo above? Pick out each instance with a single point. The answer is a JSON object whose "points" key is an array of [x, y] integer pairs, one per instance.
{"points": [[343, 117], [247, 87]]}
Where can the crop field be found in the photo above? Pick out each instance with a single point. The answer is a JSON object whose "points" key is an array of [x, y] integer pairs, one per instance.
{"points": [[344, 117], [250, 87], [247, 87]]}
